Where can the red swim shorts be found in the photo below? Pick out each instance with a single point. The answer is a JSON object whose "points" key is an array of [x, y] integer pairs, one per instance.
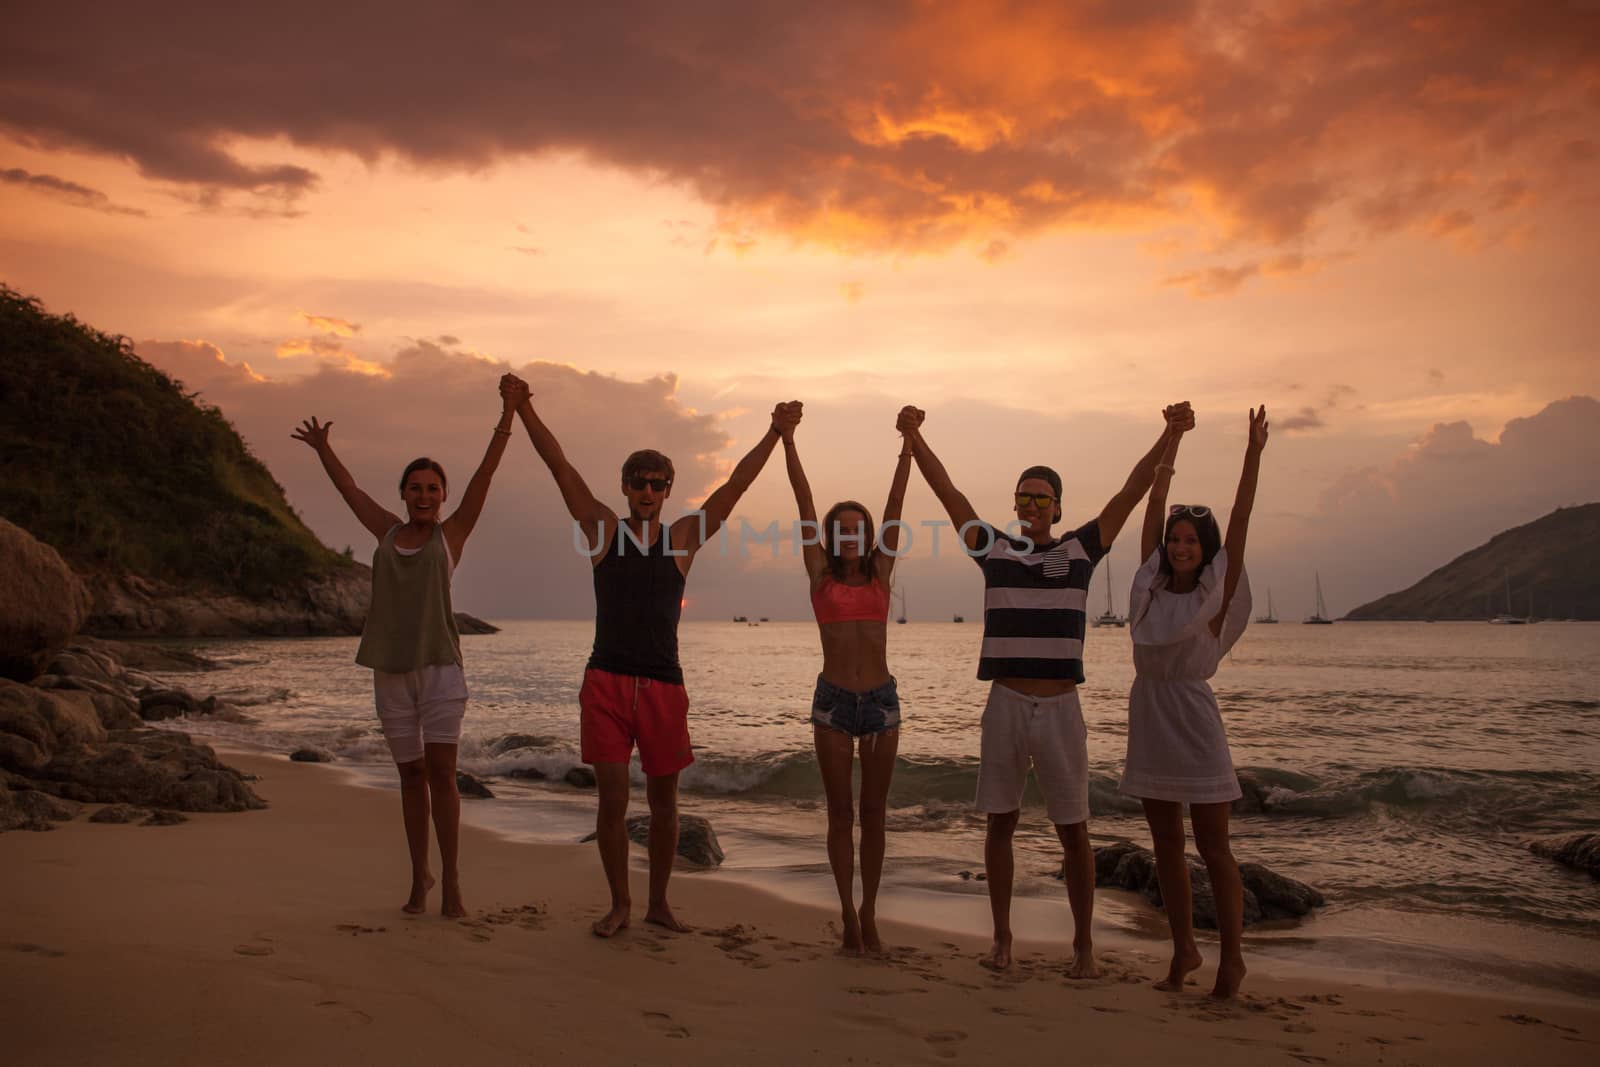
{"points": [[616, 710]]}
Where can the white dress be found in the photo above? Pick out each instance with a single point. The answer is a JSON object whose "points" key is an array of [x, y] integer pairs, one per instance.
{"points": [[1177, 747]]}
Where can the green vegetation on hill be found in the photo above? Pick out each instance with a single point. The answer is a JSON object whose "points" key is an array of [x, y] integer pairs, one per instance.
{"points": [[1549, 567], [109, 460]]}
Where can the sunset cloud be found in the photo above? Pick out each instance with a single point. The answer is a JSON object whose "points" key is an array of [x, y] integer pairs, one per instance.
{"points": [[68, 192], [330, 324], [871, 128]]}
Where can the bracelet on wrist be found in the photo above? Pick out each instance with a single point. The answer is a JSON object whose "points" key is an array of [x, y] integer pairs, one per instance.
{"points": [[1169, 468]]}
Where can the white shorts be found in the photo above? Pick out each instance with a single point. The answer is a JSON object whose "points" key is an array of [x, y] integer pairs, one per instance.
{"points": [[1047, 733], [424, 706]]}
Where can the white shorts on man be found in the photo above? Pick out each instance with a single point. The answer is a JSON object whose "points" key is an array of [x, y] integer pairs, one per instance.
{"points": [[1046, 733]]}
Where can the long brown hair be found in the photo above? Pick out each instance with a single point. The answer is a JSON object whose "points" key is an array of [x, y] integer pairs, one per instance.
{"points": [[837, 565]]}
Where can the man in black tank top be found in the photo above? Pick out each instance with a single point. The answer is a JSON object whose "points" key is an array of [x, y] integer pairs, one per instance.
{"points": [[633, 686]]}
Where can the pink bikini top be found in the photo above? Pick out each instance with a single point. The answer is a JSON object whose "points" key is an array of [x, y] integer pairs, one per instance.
{"points": [[836, 602]]}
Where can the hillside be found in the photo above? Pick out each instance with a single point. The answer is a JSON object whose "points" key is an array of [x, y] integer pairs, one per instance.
{"points": [[1552, 559], [150, 495]]}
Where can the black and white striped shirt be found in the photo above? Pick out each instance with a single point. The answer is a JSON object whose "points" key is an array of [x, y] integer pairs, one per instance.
{"points": [[1034, 603]]}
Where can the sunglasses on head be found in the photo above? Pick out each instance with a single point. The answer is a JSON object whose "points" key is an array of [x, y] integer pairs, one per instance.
{"points": [[659, 485], [1038, 500], [1197, 511]]}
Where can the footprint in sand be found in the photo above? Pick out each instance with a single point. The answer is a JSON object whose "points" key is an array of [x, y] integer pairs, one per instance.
{"points": [[351, 1015], [663, 1022], [1533, 1020], [527, 916], [38, 950], [945, 1042], [258, 947], [356, 928]]}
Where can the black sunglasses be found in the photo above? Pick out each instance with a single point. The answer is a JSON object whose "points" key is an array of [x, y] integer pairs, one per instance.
{"points": [[659, 485]]}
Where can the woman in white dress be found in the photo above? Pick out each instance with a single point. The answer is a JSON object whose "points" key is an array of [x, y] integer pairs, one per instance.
{"points": [[1189, 604]]}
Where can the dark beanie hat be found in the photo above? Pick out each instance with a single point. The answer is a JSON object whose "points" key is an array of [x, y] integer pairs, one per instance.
{"points": [[1042, 472]]}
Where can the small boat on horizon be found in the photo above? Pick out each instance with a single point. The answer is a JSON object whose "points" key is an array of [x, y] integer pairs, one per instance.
{"points": [[1508, 619], [1109, 617], [1318, 617], [957, 618], [1269, 617]]}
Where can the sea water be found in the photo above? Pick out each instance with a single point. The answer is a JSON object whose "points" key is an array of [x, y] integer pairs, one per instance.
{"points": [[1401, 768]]}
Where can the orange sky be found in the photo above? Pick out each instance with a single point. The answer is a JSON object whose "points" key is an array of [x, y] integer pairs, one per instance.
{"points": [[1038, 221]]}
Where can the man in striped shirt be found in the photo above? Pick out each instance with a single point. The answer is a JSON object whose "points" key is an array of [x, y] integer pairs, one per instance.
{"points": [[1035, 587]]}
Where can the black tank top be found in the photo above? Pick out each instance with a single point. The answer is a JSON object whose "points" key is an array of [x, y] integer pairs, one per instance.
{"points": [[638, 597]]}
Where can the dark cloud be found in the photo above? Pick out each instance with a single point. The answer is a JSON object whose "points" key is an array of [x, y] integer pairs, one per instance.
{"points": [[71, 192], [1304, 419], [891, 125]]}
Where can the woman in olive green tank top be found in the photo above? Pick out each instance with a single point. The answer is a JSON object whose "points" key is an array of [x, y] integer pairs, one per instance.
{"points": [[410, 639]]}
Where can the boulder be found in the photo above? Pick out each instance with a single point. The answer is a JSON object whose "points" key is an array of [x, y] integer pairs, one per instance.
{"points": [[118, 813], [470, 786], [1267, 894], [165, 818], [509, 742], [45, 603], [29, 809], [1581, 852], [143, 656], [79, 661], [167, 704], [697, 841], [527, 774], [311, 754], [38, 724], [117, 707], [150, 768], [582, 777], [471, 624]]}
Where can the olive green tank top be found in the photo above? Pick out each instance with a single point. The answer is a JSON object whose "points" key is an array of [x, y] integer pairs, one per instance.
{"points": [[410, 622]]}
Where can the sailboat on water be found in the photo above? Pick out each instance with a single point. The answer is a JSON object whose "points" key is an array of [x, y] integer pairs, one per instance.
{"points": [[1320, 616], [901, 618], [1109, 617], [1270, 616], [1509, 619]]}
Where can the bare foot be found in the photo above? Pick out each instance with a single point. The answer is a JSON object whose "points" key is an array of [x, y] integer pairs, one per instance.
{"points": [[612, 921], [869, 933], [1177, 974], [452, 907], [418, 903], [1083, 965], [999, 957], [661, 915], [851, 944], [1229, 977]]}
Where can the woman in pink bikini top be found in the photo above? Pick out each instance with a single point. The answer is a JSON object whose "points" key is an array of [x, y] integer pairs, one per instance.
{"points": [[855, 695]]}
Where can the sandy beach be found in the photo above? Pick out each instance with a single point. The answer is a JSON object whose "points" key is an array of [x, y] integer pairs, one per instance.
{"points": [[276, 936]]}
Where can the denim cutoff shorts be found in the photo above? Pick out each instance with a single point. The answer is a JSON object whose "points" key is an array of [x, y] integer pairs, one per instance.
{"points": [[856, 714]]}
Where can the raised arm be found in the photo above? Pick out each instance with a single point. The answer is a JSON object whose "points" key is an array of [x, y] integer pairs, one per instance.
{"points": [[1117, 510], [373, 515], [956, 505], [788, 419], [1244, 501], [889, 535], [581, 504], [1155, 509], [458, 527], [691, 531]]}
